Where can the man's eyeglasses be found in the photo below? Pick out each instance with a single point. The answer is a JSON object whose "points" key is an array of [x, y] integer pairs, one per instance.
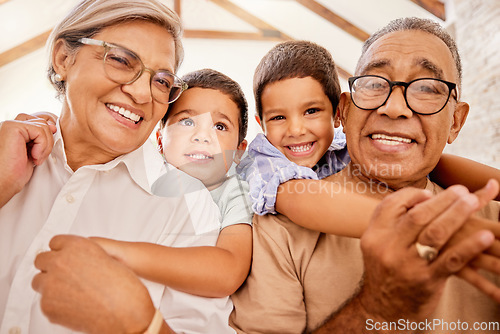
{"points": [[124, 67], [425, 96]]}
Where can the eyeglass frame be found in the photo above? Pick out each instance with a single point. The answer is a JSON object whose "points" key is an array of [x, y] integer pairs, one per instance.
{"points": [[107, 46], [451, 86]]}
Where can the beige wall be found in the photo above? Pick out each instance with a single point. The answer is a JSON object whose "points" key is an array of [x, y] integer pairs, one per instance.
{"points": [[476, 25]]}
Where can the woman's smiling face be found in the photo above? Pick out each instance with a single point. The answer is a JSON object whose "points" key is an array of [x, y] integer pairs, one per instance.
{"points": [[107, 118]]}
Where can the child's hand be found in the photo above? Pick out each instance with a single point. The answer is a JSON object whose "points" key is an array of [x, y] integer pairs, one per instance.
{"points": [[122, 251], [112, 247]]}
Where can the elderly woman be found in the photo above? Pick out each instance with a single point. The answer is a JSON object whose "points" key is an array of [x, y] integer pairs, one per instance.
{"points": [[113, 64]]}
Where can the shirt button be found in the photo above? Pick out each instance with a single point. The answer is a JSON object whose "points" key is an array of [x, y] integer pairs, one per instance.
{"points": [[15, 330], [70, 198]]}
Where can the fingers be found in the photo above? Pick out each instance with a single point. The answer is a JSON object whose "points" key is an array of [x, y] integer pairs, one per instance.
{"points": [[495, 248], [42, 263], [487, 193], [41, 145], [24, 117], [480, 282], [42, 259], [48, 117], [494, 228], [37, 282], [454, 259], [41, 118], [423, 213], [59, 241], [487, 262], [474, 224], [451, 218], [398, 204], [38, 134]]}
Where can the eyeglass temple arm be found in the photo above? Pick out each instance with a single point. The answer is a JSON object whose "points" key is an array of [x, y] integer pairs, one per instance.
{"points": [[89, 41]]}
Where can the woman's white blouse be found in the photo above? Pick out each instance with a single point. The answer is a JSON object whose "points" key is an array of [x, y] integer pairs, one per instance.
{"points": [[112, 200]]}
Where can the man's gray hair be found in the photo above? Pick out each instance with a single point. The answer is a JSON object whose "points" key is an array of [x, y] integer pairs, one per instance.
{"points": [[415, 23]]}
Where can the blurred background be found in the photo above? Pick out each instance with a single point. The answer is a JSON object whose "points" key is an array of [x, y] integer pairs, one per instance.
{"points": [[231, 36]]}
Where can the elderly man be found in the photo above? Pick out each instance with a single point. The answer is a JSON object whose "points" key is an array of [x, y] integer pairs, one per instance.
{"points": [[403, 108]]}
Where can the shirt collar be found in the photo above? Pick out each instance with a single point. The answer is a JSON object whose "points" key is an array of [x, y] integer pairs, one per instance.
{"points": [[144, 164]]}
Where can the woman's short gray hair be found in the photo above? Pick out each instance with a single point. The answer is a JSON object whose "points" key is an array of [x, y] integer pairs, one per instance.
{"points": [[91, 16]]}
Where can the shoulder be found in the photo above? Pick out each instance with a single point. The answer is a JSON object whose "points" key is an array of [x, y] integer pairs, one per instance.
{"points": [[282, 231], [235, 185], [233, 201], [234, 192]]}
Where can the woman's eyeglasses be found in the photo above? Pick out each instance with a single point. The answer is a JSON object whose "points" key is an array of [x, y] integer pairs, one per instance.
{"points": [[124, 67]]}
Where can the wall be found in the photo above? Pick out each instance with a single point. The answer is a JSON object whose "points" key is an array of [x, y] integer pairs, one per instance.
{"points": [[475, 24]]}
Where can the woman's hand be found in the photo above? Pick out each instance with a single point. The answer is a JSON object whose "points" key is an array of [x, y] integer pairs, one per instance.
{"points": [[24, 144]]}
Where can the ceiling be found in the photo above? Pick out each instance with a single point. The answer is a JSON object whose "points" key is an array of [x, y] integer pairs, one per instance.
{"points": [[339, 23], [228, 35]]}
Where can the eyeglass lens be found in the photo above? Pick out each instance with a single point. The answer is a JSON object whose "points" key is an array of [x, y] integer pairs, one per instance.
{"points": [[424, 96], [124, 67]]}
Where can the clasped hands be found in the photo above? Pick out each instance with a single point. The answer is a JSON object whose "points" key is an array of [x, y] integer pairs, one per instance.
{"points": [[402, 280]]}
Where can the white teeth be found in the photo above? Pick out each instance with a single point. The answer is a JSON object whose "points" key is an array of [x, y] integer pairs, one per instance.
{"points": [[199, 156], [124, 112], [391, 140], [301, 148]]}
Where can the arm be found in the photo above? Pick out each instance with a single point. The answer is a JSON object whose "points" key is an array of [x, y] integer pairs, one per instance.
{"points": [[453, 169], [398, 283], [205, 271], [271, 300], [84, 289], [24, 144], [325, 199]]}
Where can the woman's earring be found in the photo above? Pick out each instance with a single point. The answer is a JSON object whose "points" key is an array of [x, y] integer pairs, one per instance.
{"points": [[58, 77], [160, 148]]}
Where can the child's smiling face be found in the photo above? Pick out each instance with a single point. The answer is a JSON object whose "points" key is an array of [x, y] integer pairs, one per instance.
{"points": [[297, 118], [200, 136]]}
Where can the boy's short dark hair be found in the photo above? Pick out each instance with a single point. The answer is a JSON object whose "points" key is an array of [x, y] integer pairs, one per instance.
{"points": [[297, 59], [212, 79]]}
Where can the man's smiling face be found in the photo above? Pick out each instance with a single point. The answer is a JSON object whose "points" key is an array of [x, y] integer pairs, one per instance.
{"points": [[393, 144]]}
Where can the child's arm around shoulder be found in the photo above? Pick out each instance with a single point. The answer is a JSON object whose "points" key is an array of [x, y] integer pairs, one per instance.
{"points": [[205, 271], [325, 207], [279, 185], [453, 169]]}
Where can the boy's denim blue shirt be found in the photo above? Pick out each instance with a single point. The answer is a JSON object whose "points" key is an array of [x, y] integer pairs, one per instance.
{"points": [[265, 168]]}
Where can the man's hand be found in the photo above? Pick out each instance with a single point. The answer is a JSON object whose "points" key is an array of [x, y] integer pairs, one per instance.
{"points": [[398, 283], [86, 290], [489, 260], [24, 143]]}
